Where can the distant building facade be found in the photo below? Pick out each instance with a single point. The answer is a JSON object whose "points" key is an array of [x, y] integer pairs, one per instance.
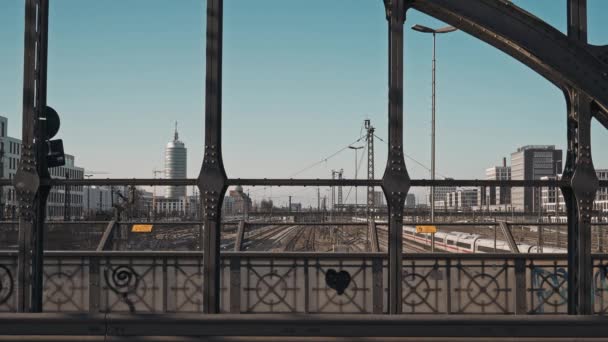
{"points": [[98, 198], [441, 193], [379, 199], [410, 201], [496, 197], [58, 202], [553, 200], [462, 199], [175, 167], [532, 162], [236, 203], [296, 207]]}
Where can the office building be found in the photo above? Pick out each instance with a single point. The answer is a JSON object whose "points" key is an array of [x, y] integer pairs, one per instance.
{"points": [[441, 195], [553, 199], [532, 162], [462, 199], [62, 202], [175, 166]]}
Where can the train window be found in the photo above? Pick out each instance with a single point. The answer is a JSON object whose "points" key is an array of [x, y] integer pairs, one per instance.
{"points": [[438, 239], [464, 244], [450, 242]]}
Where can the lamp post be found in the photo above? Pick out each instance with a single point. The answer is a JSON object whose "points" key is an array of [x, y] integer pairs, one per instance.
{"points": [[424, 29], [88, 196], [356, 148]]}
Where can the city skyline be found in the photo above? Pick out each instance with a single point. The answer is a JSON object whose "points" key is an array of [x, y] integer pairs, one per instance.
{"points": [[301, 94]]}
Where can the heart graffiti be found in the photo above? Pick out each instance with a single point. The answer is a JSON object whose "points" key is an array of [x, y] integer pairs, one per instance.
{"points": [[338, 281]]}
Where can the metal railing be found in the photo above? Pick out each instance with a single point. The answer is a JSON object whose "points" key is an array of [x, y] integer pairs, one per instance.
{"points": [[302, 283]]}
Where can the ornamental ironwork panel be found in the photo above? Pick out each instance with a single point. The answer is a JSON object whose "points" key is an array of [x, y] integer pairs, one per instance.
{"points": [[425, 286], [547, 287], [8, 284], [183, 279], [355, 297], [600, 286], [153, 284], [66, 285], [304, 284], [482, 286], [270, 285]]}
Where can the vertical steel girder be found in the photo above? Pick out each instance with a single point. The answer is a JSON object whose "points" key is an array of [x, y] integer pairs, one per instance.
{"points": [[212, 180], [580, 173], [32, 168], [543, 48], [370, 172], [395, 181], [581, 71]]}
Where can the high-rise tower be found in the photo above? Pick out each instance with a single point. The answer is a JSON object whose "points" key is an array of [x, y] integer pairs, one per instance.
{"points": [[175, 165]]}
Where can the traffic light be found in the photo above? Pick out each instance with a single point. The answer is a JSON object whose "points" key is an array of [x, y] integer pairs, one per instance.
{"points": [[55, 156]]}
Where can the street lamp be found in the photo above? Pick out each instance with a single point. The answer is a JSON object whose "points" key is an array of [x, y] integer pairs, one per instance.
{"points": [[356, 148], [88, 196], [424, 29]]}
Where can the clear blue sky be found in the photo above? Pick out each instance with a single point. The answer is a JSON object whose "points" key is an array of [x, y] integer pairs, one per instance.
{"points": [[299, 79]]}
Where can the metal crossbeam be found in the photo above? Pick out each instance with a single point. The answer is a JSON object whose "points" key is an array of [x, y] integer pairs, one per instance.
{"points": [[302, 182]]}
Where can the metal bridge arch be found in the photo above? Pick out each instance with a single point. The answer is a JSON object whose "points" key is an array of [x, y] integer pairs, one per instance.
{"points": [[566, 62]]}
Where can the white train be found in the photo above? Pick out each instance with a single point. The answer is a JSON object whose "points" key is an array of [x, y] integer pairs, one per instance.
{"points": [[458, 242]]}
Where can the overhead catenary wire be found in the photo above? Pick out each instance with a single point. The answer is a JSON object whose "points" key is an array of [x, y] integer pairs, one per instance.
{"points": [[414, 160], [324, 160]]}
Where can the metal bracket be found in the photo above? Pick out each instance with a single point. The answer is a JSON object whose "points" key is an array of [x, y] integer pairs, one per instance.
{"points": [[26, 182]]}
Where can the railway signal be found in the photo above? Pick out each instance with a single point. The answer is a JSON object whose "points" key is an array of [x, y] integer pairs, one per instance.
{"points": [[55, 155]]}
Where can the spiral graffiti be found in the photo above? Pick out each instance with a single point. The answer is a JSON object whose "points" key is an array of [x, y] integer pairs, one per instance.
{"points": [[123, 281], [6, 284]]}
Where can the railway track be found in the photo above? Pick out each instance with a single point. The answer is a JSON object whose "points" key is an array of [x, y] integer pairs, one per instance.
{"points": [[294, 237]]}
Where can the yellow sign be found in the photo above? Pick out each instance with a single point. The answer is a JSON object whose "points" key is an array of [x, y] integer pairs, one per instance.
{"points": [[426, 229], [141, 228]]}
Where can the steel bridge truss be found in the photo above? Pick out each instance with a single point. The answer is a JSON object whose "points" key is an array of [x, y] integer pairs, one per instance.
{"points": [[568, 61]]}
